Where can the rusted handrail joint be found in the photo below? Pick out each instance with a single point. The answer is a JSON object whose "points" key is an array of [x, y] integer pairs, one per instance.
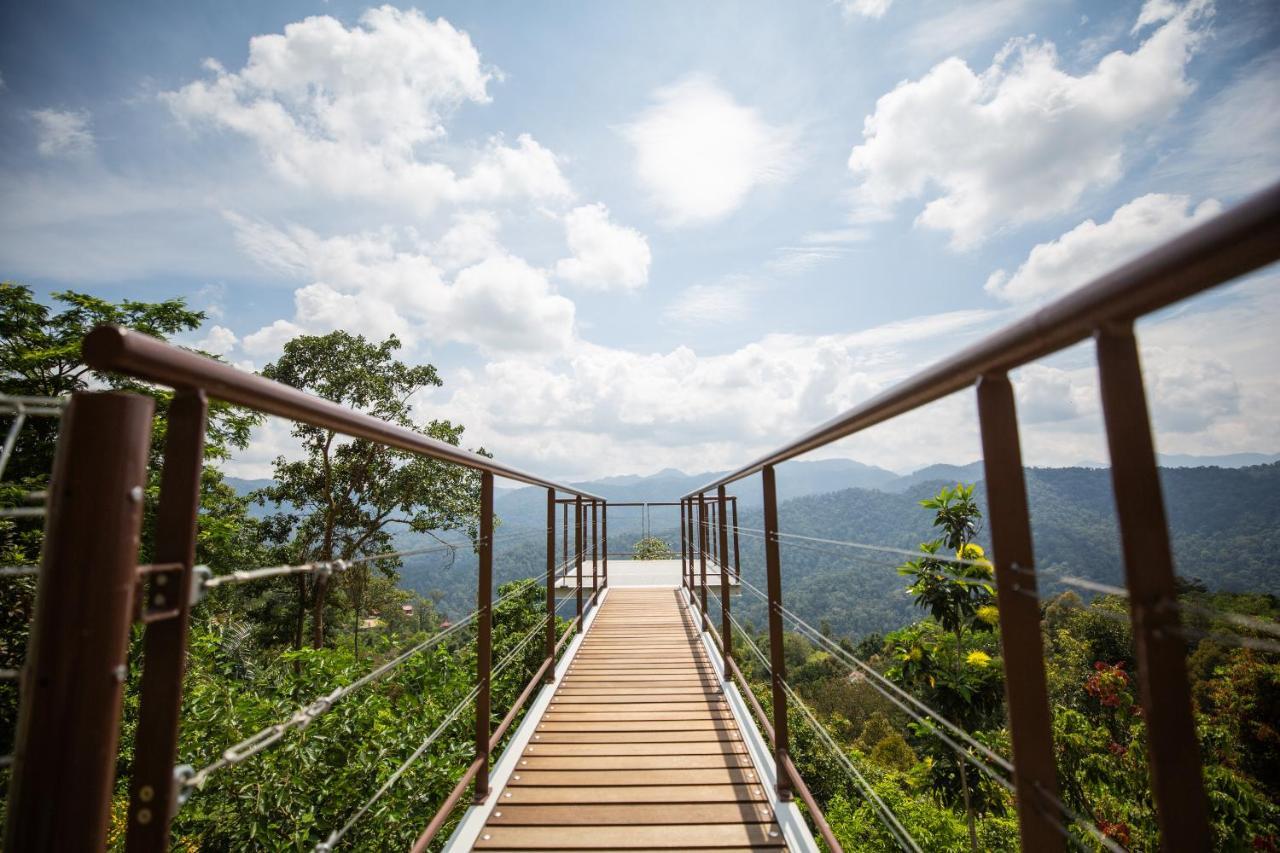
{"points": [[118, 350], [1239, 241]]}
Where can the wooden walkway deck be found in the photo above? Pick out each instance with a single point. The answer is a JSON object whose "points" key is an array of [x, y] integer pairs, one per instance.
{"points": [[638, 750]]}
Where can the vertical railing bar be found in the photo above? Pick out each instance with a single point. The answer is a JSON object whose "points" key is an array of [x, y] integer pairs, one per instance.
{"points": [[737, 554], [484, 636], [777, 658], [604, 536], [1177, 778], [1026, 692], [72, 683], [595, 549], [577, 551], [153, 792], [726, 628], [702, 555], [684, 552], [550, 676]]}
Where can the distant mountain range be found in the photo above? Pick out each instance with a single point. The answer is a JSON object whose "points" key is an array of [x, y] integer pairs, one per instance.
{"points": [[525, 506]]}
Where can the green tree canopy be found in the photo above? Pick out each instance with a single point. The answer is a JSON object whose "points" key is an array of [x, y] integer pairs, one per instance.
{"points": [[346, 496]]}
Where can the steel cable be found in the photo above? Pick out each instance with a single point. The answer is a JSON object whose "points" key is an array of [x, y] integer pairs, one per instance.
{"points": [[336, 835], [307, 714]]}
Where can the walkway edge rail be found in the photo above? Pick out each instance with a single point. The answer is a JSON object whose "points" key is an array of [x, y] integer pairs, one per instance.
{"points": [[1239, 241], [117, 350]]}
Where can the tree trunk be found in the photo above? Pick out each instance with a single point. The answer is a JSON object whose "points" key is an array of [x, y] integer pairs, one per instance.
{"points": [[968, 806], [317, 612]]}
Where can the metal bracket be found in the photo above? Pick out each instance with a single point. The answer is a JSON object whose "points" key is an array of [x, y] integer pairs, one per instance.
{"points": [[157, 596]]}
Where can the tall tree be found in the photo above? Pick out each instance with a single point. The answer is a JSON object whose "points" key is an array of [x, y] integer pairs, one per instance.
{"points": [[346, 496]]}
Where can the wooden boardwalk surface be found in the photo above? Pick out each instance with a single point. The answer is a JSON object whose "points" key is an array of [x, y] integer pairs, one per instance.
{"points": [[637, 750]]}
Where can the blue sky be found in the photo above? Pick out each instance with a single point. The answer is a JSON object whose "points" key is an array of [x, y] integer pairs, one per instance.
{"points": [[642, 235]]}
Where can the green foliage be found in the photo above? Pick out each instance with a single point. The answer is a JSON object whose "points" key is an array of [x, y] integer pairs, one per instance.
{"points": [[40, 356], [652, 548]]}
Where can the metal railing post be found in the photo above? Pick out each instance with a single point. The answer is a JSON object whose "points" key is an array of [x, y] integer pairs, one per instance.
{"points": [[577, 552], [1030, 724], [737, 554], [153, 794], [726, 626], [692, 546], [564, 540], [604, 539], [702, 555], [595, 550], [777, 659], [684, 551], [1177, 779], [484, 636], [73, 679], [551, 585]]}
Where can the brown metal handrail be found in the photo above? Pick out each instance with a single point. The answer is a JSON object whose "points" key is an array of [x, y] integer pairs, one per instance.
{"points": [[71, 695], [1242, 240], [113, 349]]}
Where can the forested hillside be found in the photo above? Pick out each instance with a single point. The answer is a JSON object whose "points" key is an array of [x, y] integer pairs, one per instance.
{"points": [[1225, 524]]}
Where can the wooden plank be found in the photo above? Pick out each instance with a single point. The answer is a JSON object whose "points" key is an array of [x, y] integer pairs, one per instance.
{"points": [[710, 735], [706, 747], [632, 814], [568, 794], [608, 716], [634, 725], [634, 762], [592, 704], [699, 776], [674, 837]]}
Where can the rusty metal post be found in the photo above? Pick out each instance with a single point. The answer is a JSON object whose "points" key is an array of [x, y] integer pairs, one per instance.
{"points": [[64, 764], [564, 560], [702, 554], [777, 658], [595, 550], [737, 554], [1030, 725], [1177, 780], [550, 677], [604, 539], [153, 794], [578, 515], [726, 626], [484, 636]]}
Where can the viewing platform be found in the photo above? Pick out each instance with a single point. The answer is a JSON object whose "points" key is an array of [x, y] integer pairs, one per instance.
{"points": [[639, 573]]}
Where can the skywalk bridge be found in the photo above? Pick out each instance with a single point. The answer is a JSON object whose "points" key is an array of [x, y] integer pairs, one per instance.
{"points": [[638, 731]]}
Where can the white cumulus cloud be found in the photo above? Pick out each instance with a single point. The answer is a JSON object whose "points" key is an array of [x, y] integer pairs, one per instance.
{"points": [[380, 284], [606, 256], [865, 8], [1023, 139], [218, 340], [1091, 249], [62, 133], [354, 111], [699, 153]]}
